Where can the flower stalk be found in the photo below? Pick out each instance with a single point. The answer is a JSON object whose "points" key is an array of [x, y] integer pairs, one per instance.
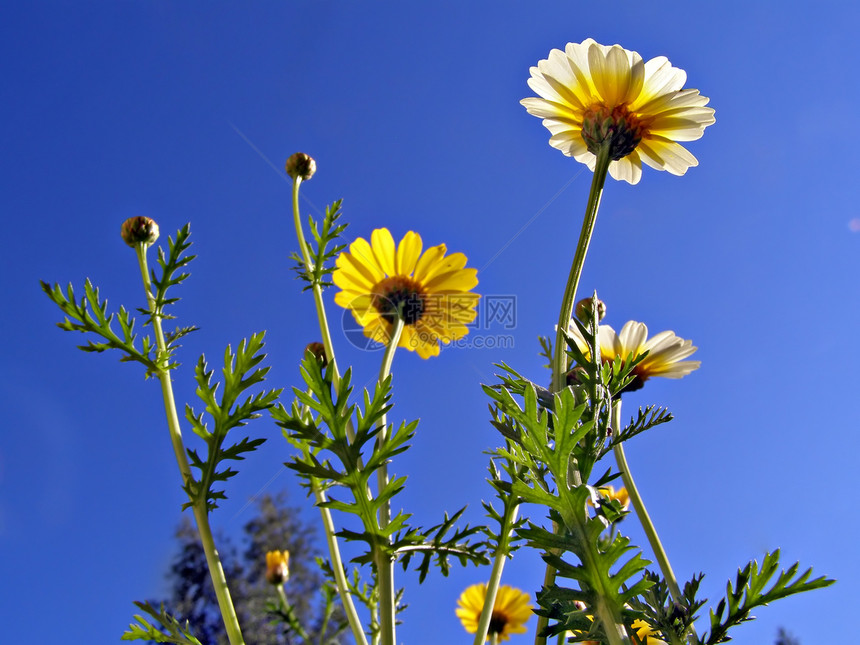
{"points": [[316, 288], [642, 513], [201, 515], [328, 522], [560, 358], [559, 363], [509, 518], [384, 561]]}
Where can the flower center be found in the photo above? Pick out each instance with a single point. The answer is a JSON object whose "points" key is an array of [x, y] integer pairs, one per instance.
{"points": [[618, 125], [399, 296], [497, 623]]}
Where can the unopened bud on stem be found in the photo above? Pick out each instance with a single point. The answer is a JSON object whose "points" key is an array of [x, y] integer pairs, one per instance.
{"points": [[318, 350], [277, 567], [301, 165], [139, 229], [583, 310]]}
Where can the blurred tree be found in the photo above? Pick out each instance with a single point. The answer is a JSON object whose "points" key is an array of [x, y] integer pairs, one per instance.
{"points": [[275, 526], [784, 638]]}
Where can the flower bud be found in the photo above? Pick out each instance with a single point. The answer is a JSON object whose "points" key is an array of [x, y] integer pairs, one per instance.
{"points": [[576, 375], [139, 229], [583, 310], [277, 567], [318, 350], [301, 165]]}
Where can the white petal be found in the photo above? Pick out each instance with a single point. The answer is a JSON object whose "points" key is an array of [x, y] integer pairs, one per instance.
{"points": [[627, 169], [543, 108], [660, 78], [633, 335], [673, 157]]}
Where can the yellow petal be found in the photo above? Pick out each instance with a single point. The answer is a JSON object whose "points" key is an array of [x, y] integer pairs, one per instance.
{"points": [[383, 250], [408, 253], [427, 261], [361, 258]]}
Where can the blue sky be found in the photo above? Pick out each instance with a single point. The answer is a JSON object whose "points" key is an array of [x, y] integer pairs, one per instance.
{"points": [[187, 111]]}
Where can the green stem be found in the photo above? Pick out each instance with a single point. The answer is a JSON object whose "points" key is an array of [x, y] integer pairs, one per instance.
{"points": [[293, 620], [559, 363], [337, 565], [317, 291], [201, 513], [508, 519], [642, 512], [328, 523], [543, 621], [334, 555], [384, 561], [575, 522], [559, 360]]}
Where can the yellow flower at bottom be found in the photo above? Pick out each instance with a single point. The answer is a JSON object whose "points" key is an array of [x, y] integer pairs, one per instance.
{"points": [[666, 351], [609, 493], [510, 611], [429, 291], [643, 634], [277, 567]]}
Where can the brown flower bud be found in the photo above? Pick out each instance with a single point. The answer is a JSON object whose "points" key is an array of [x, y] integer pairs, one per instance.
{"points": [[301, 165], [139, 229], [318, 350], [583, 310]]}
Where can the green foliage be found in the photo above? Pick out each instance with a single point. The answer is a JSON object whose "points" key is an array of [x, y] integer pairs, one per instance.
{"points": [[336, 414], [323, 249], [645, 419], [285, 614], [433, 545], [240, 372], [748, 592], [144, 630], [549, 444], [170, 263], [90, 314], [347, 453], [504, 539], [669, 618]]}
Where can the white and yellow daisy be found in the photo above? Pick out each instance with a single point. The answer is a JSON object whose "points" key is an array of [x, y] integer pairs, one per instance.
{"points": [[590, 92], [666, 351]]}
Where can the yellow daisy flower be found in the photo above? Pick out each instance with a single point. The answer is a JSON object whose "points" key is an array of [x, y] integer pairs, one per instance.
{"points": [[665, 351], [590, 92], [429, 291], [643, 634], [609, 493], [277, 567], [511, 610]]}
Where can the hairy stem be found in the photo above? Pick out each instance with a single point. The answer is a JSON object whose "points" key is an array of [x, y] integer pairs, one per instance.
{"points": [[201, 513], [328, 523], [384, 561], [317, 291], [559, 363], [337, 565], [559, 359], [512, 507], [642, 512]]}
